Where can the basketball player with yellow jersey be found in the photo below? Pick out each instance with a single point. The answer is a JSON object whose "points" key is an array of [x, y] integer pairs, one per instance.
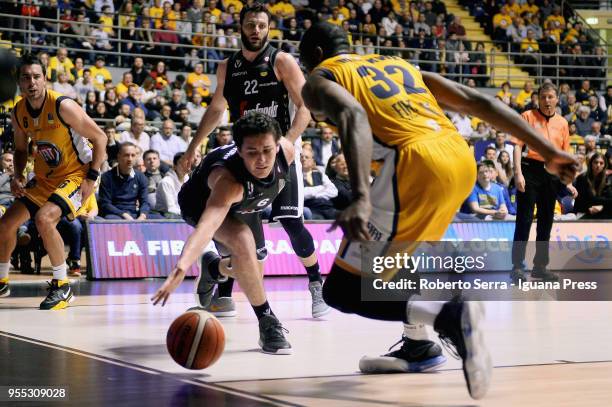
{"points": [[69, 150], [387, 109]]}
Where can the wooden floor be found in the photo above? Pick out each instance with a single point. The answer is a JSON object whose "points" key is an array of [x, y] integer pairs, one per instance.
{"points": [[108, 348]]}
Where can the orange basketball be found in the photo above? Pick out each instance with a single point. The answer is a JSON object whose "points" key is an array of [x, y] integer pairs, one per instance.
{"points": [[195, 340]]}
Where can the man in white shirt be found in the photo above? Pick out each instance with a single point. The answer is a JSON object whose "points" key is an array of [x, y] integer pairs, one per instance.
{"points": [[62, 86], [463, 124], [318, 189], [169, 187], [195, 108], [137, 135], [168, 144]]}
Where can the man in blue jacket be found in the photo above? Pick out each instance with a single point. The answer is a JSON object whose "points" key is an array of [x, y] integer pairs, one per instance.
{"points": [[123, 191]]}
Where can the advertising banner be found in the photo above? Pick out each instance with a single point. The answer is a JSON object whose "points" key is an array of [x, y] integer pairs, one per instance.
{"points": [[122, 249]]}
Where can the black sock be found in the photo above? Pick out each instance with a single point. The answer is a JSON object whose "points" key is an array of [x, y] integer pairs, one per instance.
{"points": [[313, 273], [225, 289], [263, 309]]}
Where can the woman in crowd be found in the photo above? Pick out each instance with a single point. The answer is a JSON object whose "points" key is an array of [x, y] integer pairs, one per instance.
{"points": [[595, 190]]}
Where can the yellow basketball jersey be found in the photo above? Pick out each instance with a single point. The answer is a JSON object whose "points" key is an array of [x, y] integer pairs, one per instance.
{"points": [[59, 150], [399, 106]]}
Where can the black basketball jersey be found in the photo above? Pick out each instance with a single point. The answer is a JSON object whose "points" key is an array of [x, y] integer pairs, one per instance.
{"points": [[253, 86], [258, 193]]}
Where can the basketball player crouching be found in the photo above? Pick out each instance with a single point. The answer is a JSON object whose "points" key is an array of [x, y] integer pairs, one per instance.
{"points": [[222, 200]]}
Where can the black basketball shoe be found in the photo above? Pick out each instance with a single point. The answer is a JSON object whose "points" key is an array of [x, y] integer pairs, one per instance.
{"points": [[458, 326], [5, 291], [271, 336], [60, 295], [414, 356]]}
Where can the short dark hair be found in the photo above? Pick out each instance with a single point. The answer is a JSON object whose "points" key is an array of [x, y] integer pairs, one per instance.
{"points": [[177, 158], [546, 87], [224, 128], [490, 148], [331, 38], [30, 59], [485, 163], [150, 151], [256, 7], [255, 124], [126, 144]]}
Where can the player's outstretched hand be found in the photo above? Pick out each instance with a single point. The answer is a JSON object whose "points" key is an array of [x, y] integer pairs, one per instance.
{"points": [[354, 220], [563, 165], [172, 282], [188, 159]]}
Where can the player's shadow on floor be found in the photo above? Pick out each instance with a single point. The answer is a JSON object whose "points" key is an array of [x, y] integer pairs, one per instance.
{"points": [[138, 350], [341, 391]]}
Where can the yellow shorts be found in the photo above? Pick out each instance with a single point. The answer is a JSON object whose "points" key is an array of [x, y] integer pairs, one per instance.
{"points": [[64, 193], [416, 194]]}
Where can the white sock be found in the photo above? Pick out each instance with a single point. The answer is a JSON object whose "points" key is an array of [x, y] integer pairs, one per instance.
{"points": [[423, 312], [416, 332], [59, 272], [4, 270]]}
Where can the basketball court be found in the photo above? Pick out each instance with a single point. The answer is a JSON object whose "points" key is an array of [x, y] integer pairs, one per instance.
{"points": [[109, 348]]}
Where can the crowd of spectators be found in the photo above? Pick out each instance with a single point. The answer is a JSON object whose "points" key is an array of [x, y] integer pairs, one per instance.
{"points": [[536, 31]]}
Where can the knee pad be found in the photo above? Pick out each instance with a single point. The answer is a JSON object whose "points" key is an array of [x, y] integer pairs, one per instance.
{"points": [[301, 239]]}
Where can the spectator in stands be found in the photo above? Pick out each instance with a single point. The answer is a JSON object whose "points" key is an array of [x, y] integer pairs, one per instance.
{"points": [[584, 120], [112, 147], [318, 189], [504, 161], [597, 113], [487, 198], [166, 40], [439, 28], [112, 103], [195, 108], [167, 143], [154, 171], [505, 94], [63, 86], [594, 190], [83, 86], [61, 63], [337, 171], [133, 98], [463, 123], [136, 135], [501, 145], [325, 146], [529, 52], [123, 86], [176, 105], [99, 73], [576, 64], [479, 65], [169, 187], [198, 82], [160, 76], [222, 137], [482, 132], [571, 110], [138, 71], [590, 146], [456, 27], [524, 96], [501, 22], [123, 191], [91, 101], [101, 40], [596, 131], [6, 176]]}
